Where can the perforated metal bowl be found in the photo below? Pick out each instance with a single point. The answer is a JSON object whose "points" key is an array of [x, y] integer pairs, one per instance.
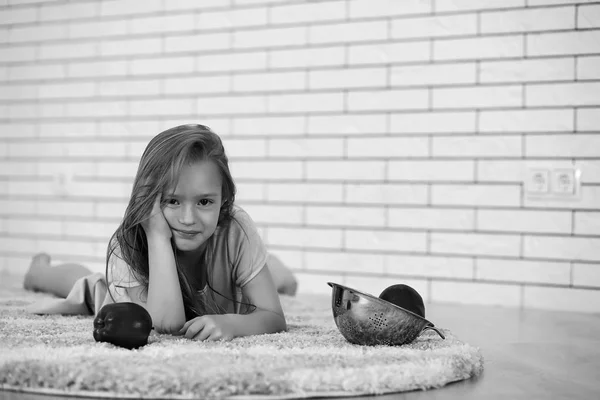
{"points": [[368, 320]]}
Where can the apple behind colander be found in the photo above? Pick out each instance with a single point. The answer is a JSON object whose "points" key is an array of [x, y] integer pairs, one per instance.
{"points": [[368, 320]]}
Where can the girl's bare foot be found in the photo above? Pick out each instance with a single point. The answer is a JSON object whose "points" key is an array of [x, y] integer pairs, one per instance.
{"points": [[38, 262]]}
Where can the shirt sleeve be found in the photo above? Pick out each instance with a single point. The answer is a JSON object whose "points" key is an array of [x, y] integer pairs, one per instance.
{"points": [[250, 253], [120, 278]]}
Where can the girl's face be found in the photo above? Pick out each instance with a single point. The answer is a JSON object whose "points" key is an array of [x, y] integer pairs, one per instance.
{"points": [[192, 210]]}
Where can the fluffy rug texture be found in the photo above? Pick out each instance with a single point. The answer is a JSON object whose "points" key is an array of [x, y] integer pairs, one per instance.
{"points": [[57, 354]]}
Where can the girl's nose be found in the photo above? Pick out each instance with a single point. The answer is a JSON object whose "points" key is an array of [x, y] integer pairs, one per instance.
{"points": [[186, 216]]}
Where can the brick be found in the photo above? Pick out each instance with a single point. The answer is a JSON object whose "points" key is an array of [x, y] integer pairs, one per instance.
{"points": [[36, 72], [464, 5], [567, 43], [300, 237], [100, 230], [137, 46], [406, 99], [128, 7], [563, 94], [269, 82], [562, 299], [101, 189], [434, 122], [95, 149], [245, 148], [588, 16], [556, 120], [29, 188], [98, 29], [388, 147], [347, 124], [391, 241], [274, 214], [590, 170], [311, 283], [587, 223], [428, 266], [17, 168], [306, 148], [69, 11], [524, 221], [346, 216], [64, 208], [18, 53], [161, 107], [66, 90], [384, 53], [434, 26], [305, 192], [127, 128], [477, 146], [267, 170], [528, 20], [307, 57], [388, 194], [480, 48], [110, 209], [68, 247], [345, 170], [23, 111], [588, 67], [147, 87], [562, 248], [344, 262], [67, 51], [475, 244], [19, 245], [581, 145], [97, 69], [305, 102], [349, 32], [307, 12], [36, 149], [269, 126], [532, 3], [478, 97], [522, 271], [38, 33], [167, 66], [273, 37], [432, 170], [387, 8], [230, 105], [587, 119], [20, 92], [161, 24], [17, 130], [194, 85], [476, 195], [589, 198], [235, 18], [198, 42], [232, 62], [432, 218], [120, 169], [433, 74], [487, 294], [347, 78], [10, 16], [531, 70], [586, 275], [68, 168]]}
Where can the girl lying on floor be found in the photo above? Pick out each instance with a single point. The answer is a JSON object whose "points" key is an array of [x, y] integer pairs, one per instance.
{"points": [[184, 251]]}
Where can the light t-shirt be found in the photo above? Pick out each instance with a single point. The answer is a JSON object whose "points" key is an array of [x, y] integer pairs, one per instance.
{"points": [[239, 255]]}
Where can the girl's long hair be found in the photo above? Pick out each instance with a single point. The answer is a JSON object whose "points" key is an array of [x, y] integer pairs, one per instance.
{"points": [[159, 168]]}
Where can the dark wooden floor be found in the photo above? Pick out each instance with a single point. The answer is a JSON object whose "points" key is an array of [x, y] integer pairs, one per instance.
{"points": [[529, 354]]}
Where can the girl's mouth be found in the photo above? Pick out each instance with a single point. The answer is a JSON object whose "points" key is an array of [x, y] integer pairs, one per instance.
{"points": [[187, 234]]}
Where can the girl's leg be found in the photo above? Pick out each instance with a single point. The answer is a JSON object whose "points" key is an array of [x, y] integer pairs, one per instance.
{"points": [[57, 280], [284, 279]]}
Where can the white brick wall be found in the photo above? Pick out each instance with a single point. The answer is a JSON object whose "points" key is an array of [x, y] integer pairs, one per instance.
{"points": [[373, 141]]}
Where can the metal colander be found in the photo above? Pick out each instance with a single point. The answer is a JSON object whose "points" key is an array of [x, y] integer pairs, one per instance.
{"points": [[368, 320]]}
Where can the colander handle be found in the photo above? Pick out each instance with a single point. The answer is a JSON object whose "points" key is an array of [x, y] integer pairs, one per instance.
{"points": [[433, 328]]}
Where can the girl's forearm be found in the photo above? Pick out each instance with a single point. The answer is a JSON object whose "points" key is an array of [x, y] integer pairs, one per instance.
{"points": [[165, 301], [259, 322]]}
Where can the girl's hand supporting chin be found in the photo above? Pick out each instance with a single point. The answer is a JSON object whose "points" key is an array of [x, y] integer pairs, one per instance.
{"points": [[156, 225]]}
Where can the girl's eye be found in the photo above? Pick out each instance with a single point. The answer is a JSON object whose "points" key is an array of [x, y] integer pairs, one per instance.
{"points": [[205, 202], [172, 202]]}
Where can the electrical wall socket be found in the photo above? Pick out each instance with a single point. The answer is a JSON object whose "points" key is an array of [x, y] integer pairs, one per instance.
{"points": [[553, 184]]}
